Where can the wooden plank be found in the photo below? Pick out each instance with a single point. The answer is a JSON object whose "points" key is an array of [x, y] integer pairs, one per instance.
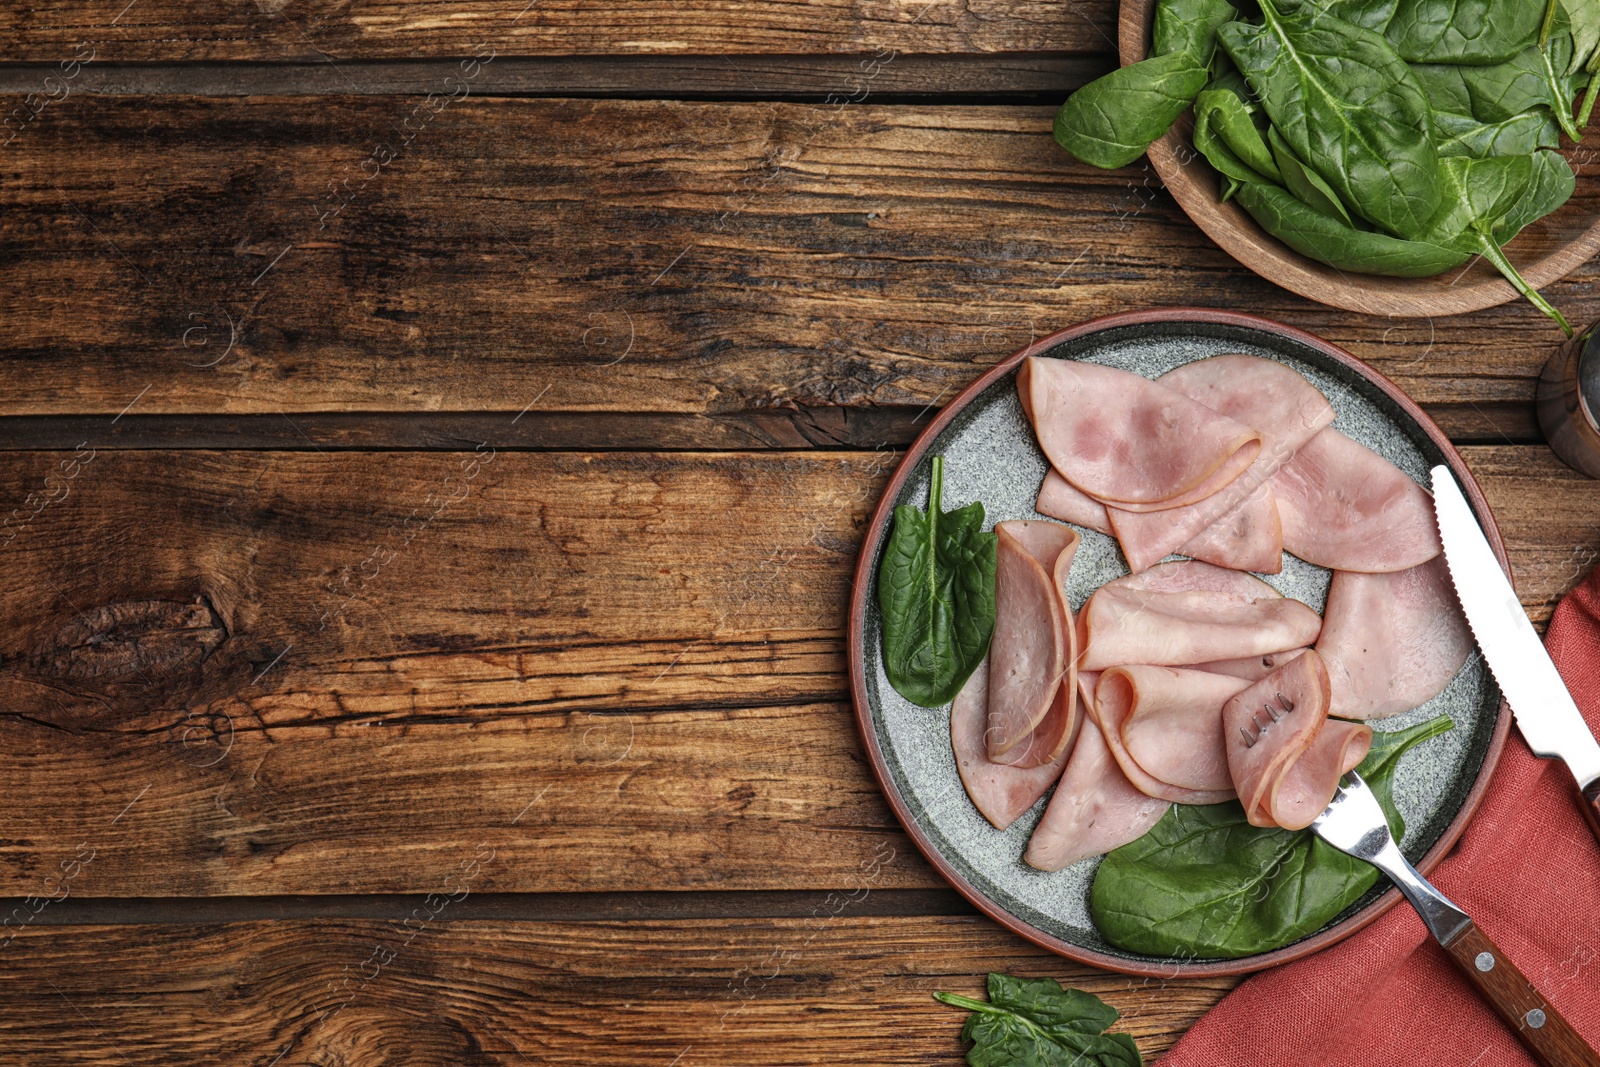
{"points": [[624, 671], [615, 256], [47, 30], [995, 77], [828, 989]]}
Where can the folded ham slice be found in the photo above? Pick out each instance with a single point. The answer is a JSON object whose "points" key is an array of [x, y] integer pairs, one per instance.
{"points": [[1121, 625], [1001, 793], [1048, 541], [1248, 537], [1250, 668], [1060, 499], [1128, 441], [1239, 526], [1094, 810], [1028, 653], [1164, 728], [1392, 641], [1285, 756], [1347, 508]]}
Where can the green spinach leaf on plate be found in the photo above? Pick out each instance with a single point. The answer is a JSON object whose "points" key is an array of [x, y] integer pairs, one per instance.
{"points": [[1348, 106], [1306, 184], [1205, 883], [936, 596], [1033, 1022]]}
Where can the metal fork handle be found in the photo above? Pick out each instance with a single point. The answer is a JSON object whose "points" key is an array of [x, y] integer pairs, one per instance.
{"points": [[1444, 920]]}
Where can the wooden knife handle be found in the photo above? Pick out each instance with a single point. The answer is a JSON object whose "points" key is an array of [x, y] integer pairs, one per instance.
{"points": [[1591, 806], [1550, 1038]]}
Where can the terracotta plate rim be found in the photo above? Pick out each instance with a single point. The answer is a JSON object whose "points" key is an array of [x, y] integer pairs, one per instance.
{"points": [[858, 680]]}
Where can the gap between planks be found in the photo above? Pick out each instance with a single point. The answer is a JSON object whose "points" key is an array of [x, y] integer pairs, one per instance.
{"points": [[996, 78], [801, 429], [500, 907]]}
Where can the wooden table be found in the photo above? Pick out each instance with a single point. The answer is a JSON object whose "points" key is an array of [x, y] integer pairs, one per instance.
{"points": [[438, 436]]}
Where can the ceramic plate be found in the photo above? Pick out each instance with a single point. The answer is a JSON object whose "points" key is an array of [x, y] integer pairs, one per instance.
{"points": [[991, 455]]}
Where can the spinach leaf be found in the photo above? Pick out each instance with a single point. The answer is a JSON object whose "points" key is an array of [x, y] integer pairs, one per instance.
{"points": [[1189, 26], [936, 596], [1235, 172], [1368, 14], [1445, 88], [1584, 17], [1532, 78], [1227, 116], [1112, 120], [1033, 1022], [1349, 106], [1205, 883], [1479, 194], [1475, 32], [1463, 135], [1553, 182], [1306, 184], [1332, 241]]}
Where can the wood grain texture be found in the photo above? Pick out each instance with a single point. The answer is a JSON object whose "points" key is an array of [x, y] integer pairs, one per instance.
{"points": [[829, 989], [615, 256], [277, 673], [1543, 1030], [365, 29]]}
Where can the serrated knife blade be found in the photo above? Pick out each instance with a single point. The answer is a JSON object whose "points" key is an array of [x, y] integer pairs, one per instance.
{"points": [[1548, 719]]}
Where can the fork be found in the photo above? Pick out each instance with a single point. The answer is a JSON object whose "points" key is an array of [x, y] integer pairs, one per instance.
{"points": [[1354, 823]]}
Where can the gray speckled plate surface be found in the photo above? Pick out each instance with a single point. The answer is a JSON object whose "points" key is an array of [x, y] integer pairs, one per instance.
{"points": [[991, 455]]}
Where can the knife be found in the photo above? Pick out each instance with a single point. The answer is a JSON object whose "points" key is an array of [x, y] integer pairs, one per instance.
{"points": [[1550, 722]]}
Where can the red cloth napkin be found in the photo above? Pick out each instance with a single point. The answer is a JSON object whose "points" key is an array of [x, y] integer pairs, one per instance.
{"points": [[1527, 870]]}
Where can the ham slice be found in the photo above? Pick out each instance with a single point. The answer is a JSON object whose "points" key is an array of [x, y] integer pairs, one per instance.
{"points": [[1251, 668], [1056, 544], [999, 792], [1164, 727], [1028, 653], [1249, 537], [1094, 810], [1060, 499], [1129, 441], [1121, 625], [1347, 508], [1392, 641], [1187, 575], [1285, 756], [1238, 527]]}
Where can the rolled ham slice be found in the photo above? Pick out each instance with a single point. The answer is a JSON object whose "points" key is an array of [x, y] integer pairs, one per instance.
{"points": [[1028, 653], [1392, 641], [1164, 727], [1285, 756], [1001, 793], [1094, 810], [1121, 625], [1128, 441], [1347, 508], [1265, 395], [1187, 575]]}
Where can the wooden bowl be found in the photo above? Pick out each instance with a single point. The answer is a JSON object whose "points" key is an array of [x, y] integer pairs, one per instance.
{"points": [[915, 769], [1545, 252]]}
